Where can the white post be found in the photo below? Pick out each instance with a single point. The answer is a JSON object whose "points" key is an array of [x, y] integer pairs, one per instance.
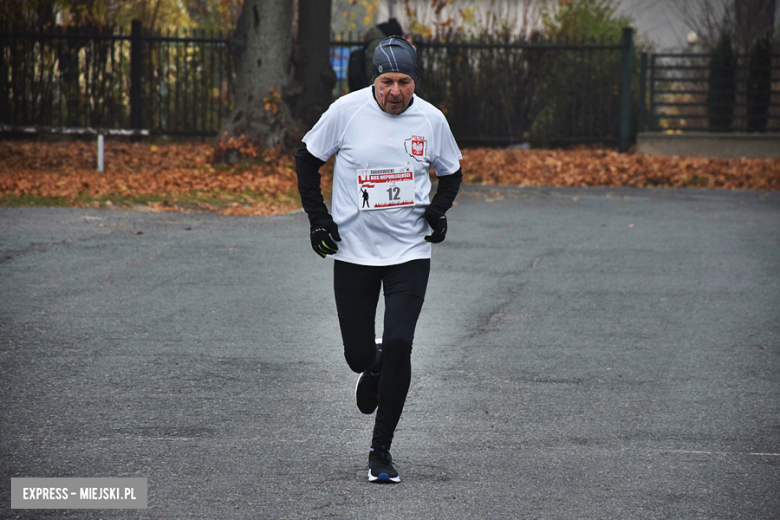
{"points": [[100, 154], [390, 9]]}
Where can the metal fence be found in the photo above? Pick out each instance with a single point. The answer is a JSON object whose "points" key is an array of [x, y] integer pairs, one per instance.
{"points": [[188, 84], [166, 84], [678, 86], [502, 93], [511, 93], [341, 46], [493, 93], [64, 79]]}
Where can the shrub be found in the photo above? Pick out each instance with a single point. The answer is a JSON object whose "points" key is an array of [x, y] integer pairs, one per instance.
{"points": [[579, 89]]}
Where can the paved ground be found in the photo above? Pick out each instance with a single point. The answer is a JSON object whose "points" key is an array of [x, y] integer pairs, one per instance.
{"points": [[582, 354]]}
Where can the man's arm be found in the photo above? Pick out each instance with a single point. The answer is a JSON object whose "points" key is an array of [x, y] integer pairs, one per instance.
{"points": [[448, 188], [442, 201], [307, 168], [323, 230]]}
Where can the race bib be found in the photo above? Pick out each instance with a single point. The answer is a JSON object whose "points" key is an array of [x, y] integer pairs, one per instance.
{"points": [[383, 188]]}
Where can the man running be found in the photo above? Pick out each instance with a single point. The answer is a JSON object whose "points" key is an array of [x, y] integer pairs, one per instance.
{"points": [[384, 139]]}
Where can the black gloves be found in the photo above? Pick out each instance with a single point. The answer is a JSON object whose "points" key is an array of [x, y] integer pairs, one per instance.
{"points": [[323, 230], [321, 240], [446, 192], [323, 236], [438, 223]]}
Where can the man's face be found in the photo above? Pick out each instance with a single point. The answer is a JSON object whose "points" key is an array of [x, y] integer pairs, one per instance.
{"points": [[393, 91]]}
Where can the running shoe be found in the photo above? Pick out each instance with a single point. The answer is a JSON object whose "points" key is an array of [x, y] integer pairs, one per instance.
{"points": [[380, 467], [367, 387]]}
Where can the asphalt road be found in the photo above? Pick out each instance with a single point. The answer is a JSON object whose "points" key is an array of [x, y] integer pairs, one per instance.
{"points": [[582, 354]]}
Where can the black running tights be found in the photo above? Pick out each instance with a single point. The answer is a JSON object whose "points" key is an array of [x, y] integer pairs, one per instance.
{"points": [[357, 294]]}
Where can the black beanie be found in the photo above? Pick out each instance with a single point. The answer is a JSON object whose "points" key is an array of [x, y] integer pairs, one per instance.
{"points": [[394, 54]]}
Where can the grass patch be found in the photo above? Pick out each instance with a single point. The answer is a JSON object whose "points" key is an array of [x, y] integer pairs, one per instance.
{"points": [[34, 201], [219, 201], [697, 181]]}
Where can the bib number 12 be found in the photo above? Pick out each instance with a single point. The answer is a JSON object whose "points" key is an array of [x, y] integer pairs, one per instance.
{"points": [[385, 188]]}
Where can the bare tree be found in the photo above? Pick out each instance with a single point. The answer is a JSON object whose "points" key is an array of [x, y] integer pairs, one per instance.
{"points": [[753, 19], [708, 18], [746, 20]]}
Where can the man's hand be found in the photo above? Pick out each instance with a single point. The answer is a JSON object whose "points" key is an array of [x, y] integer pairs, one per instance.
{"points": [[321, 240], [438, 223]]}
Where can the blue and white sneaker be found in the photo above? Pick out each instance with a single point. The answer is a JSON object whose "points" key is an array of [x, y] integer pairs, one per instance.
{"points": [[380, 467]]}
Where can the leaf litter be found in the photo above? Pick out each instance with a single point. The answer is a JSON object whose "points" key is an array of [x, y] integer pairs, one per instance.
{"points": [[183, 177]]}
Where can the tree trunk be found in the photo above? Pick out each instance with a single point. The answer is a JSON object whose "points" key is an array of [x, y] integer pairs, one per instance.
{"points": [[262, 48], [314, 76]]}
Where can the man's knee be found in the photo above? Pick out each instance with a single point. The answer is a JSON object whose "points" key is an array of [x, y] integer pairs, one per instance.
{"points": [[396, 349], [360, 357], [359, 345]]}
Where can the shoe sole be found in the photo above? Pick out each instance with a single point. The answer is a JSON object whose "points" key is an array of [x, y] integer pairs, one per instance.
{"points": [[383, 478], [357, 383], [359, 379]]}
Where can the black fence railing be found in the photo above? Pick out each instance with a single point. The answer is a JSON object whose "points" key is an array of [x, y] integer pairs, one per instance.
{"points": [[166, 84], [341, 46], [500, 93], [678, 88], [64, 79], [504, 94], [493, 92], [188, 84]]}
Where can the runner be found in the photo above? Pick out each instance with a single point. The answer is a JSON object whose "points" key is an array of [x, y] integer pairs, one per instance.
{"points": [[384, 138]]}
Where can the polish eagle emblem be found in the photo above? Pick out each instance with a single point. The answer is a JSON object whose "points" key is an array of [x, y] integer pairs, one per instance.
{"points": [[415, 147]]}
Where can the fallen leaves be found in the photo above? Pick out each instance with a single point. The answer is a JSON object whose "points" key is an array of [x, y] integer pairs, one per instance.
{"points": [[174, 177], [162, 177], [272, 101], [600, 167]]}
